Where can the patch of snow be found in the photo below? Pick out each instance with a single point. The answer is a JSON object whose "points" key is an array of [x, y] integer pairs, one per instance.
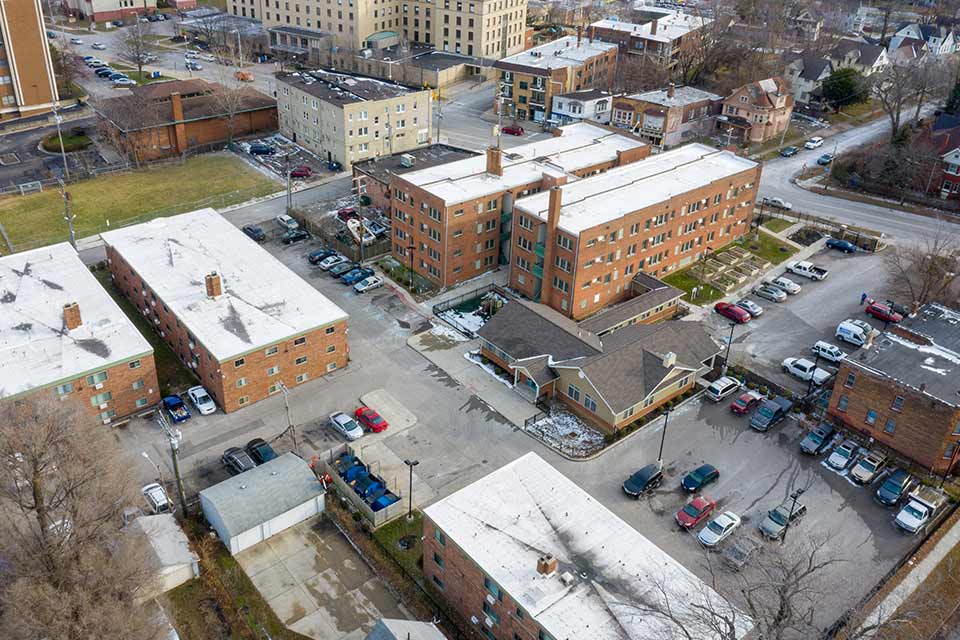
{"points": [[443, 331], [929, 361], [564, 431], [473, 320], [474, 357], [932, 350], [941, 372]]}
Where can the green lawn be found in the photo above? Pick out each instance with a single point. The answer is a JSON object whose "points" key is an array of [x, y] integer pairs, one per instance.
{"points": [[70, 142], [215, 180], [172, 375], [767, 247], [777, 224], [686, 280], [390, 533]]}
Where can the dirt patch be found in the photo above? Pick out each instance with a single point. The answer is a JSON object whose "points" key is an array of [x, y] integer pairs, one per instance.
{"points": [[806, 236]]}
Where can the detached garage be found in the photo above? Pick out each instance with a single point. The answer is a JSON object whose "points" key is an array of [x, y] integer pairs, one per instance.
{"points": [[260, 503]]}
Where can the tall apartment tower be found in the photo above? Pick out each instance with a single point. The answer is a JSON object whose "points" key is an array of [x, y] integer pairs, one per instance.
{"points": [[27, 84]]}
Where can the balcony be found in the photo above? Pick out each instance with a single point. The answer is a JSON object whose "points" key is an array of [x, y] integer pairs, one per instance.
{"points": [[538, 270], [539, 249], [505, 218]]}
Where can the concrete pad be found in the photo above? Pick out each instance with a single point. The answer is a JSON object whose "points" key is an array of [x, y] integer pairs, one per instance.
{"points": [[274, 581], [316, 625], [257, 558], [392, 410], [290, 542], [303, 565], [293, 604]]}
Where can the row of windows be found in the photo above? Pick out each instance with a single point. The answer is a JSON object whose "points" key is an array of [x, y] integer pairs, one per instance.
{"points": [[272, 350]]}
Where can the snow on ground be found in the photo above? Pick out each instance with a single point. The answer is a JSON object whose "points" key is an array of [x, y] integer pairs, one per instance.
{"points": [[567, 433], [443, 331], [475, 358], [475, 319]]}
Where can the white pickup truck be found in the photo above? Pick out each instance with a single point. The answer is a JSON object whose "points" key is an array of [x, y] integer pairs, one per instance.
{"points": [[922, 505], [803, 369], [807, 270]]}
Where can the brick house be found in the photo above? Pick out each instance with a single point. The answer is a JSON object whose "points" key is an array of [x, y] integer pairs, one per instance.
{"points": [[577, 245], [233, 314], [609, 379], [524, 553], [167, 119], [902, 391], [942, 138], [757, 112], [61, 333], [457, 216], [666, 117], [661, 38]]}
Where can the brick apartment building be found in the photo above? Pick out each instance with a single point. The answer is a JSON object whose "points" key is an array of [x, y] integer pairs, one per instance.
{"points": [[577, 245], [109, 10], [661, 37], [27, 83], [62, 334], [451, 221], [902, 390], [526, 554], [233, 314], [757, 112], [667, 117]]}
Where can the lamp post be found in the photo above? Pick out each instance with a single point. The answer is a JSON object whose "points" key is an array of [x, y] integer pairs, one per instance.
{"points": [[157, 465], [726, 355], [411, 464], [663, 436], [290, 426], [793, 507]]}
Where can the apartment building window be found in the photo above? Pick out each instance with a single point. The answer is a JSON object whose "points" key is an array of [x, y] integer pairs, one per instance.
{"points": [[272, 371], [523, 263], [65, 389], [632, 250], [274, 388], [842, 403], [331, 366], [488, 610], [440, 537], [525, 223], [97, 378], [524, 243], [241, 383], [434, 214], [562, 263], [271, 351], [101, 398], [890, 427], [871, 417], [106, 415], [589, 403], [243, 400], [437, 582], [137, 385], [434, 234], [897, 403], [329, 330], [489, 244], [492, 587], [438, 560], [851, 379], [302, 377], [561, 285], [301, 360], [299, 341], [573, 391], [635, 228], [491, 225], [565, 242]]}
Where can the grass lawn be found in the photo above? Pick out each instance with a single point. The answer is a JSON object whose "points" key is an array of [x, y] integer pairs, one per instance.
{"points": [[70, 142], [172, 375], [686, 280], [412, 530], [767, 247], [777, 224], [215, 180]]}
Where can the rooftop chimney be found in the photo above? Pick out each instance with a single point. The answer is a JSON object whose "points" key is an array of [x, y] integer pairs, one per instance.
{"points": [[579, 35], [547, 565], [669, 359], [214, 288], [71, 316], [591, 34], [494, 161], [671, 90], [653, 27]]}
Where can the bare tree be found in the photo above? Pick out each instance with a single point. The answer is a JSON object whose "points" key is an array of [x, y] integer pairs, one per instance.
{"points": [[894, 87], [73, 573], [927, 270], [136, 44], [65, 66], [230, 96]]}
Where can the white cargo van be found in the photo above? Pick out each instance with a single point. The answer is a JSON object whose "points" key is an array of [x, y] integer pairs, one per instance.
{"points": [[855, 332]]}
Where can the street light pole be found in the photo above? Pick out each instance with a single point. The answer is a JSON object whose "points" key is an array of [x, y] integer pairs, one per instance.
{"points": [[663, 436], [793, 507], [66, 212], [726, 356], [410, 249], [63, 152], [157, 465], [411, 464]]}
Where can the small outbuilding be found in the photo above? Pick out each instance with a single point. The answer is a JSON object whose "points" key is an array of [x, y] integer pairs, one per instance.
{"points": [[391, 629], [260, 503], [175, 563]]}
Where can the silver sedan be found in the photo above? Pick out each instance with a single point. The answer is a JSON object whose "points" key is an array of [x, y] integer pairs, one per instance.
{"points": [[770, 293]]}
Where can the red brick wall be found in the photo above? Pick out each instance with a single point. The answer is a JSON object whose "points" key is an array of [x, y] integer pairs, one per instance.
{"points": [[120, 382]]}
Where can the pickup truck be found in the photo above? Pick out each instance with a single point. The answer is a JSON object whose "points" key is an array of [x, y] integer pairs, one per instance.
{"points": [[807, 270], [922, 505], [803, 369], [177, 411], [770, 413]]}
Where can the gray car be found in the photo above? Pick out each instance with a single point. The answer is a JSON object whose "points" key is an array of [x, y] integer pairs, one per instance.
{"points": [[776, 521], [750, 307], [773, 294]]}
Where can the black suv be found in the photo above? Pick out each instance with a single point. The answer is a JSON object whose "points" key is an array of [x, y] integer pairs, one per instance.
{"points": [[260, 451], [237, 460], [897, 485], [643, 481], [254, 232], [295, 235]]}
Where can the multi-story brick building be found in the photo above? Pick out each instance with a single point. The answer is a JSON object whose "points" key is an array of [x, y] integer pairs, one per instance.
{"points": [[108, 10], [451, 222], [526, 554], [902, 390], [757, 112], [529, 80], [27, 83], [62, 334], [346, 118], [577, 245], [233, 314], [667, 117], [660, 39]]}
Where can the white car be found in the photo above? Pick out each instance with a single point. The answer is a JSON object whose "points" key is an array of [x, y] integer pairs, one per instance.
{"points": [[208, 57], [750, 307], [191, 55], [803, 369], [829, 352], [124, 82], [345, 425], [202, 400], [719, 529], [778, 203], [786, 285], [332, 261], [813, 143], [843, 455], [76, 41], [99, 46], [157, 499], [368, 283]]}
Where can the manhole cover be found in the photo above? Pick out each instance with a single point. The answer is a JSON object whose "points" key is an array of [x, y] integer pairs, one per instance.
{"points": [[8, 159], [405, 543]]}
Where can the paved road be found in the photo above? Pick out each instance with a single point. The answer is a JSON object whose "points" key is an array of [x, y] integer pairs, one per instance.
{"points": [[462, 124]]}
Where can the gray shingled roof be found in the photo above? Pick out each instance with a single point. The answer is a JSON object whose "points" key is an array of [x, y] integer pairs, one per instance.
{"points": [[538, 368], [526, 329], [813, 67], [657, 293], [253, 497]]}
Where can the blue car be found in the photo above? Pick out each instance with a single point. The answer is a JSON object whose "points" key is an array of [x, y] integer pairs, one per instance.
{"points": [[352, 277], [177, 411], [842, 245]]}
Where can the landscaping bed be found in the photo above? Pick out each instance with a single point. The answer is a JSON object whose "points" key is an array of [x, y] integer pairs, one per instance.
{"points": [[806, 236], [567, 433], [71, 142]]}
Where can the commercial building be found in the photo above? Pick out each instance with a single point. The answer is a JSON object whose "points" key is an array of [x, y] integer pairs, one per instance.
{"points": [[414, 65], [168, 119], [27, 83], [578, 106], [452, 221], [578, 244], [347, 118], [757, 112], [61, 333], [233, 314], [526, 553], [901, 391], [529, 80], [109, 10], [667, 117], [661, 39]]}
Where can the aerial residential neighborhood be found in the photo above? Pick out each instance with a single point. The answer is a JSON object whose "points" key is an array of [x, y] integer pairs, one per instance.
{"points": [[479, 319]]}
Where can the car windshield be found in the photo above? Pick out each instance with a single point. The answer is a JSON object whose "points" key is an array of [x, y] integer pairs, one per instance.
{"points": [[868, 466], [696, 476], [913, 511], [349, 424], [779, 515], [766, 411], [715, 527], [741, 401], [891, 486], [691, 510], [376, 420], [202, 397], [815, 437]]}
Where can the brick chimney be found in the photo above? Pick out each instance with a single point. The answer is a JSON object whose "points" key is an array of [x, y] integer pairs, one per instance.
{"points": [[179, 128], [214, 288], [579, 35], [71, 316], [653, 28], [671, 90], [547, 565], [494, 161]]}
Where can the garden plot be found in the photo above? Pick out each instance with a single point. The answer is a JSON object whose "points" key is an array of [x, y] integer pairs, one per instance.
{"points": [[489, 367]]}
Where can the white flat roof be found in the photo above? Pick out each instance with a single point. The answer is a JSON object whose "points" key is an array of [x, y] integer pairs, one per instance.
{"points": [[562, 52], [581, 145], [505, 521], [669, 27], [607, 196], [36, 350], [263, 301]]}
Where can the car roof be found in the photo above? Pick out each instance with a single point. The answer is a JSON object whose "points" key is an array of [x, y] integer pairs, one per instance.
{"points": [[647, 472], [701, 501]]}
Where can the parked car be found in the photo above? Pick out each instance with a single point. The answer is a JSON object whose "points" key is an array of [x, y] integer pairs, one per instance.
{"points": [[745, 402], [770, 413], [175, 408], [104, 72], [331, 261], [803, 369], [922, 506], [868, 467], [52, 34], [719, 529], [843, 245], [191, 55], [260, 451], [76, 41], [843, 455], [896, 486], [700, 477], [807, 270], [333, 165], [356, 275], [254, 232], [193, 66], [202, 400], [827, 351], [99, 46], [825, 159], [817, 439], [237, 460], [768, 292], [787, 285], [646, 479], [286, 222], [294, 235], [116, 75], [750, 307], [778, 518], [206, 57], [301, 172], [370, 419], [855, 332], [882, 312], [87, 59], [157, 499], [345, 426], [368, 283], [777, 203], [896, 307], [722, 387], [513, 130], [694, 512], [342, 268], [316, 257], [348, 213], [732, 312], [813, 143], [786, 152], [124, 82]]}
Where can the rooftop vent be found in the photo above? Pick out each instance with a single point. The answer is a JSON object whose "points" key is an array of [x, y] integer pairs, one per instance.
{"points": [[214, 287], [669, 359], [567, 579]]}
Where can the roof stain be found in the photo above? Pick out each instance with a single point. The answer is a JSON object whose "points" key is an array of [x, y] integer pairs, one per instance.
{"points": [[8, 297], [50, 284], [234, 324], [23, 326], [95, 346]]}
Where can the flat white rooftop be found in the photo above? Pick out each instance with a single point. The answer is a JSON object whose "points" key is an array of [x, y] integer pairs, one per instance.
{"points": [[36, 350], [526, 509], [263, 301], [580, 145], [559, 53], [607, 196], [669, 27]]}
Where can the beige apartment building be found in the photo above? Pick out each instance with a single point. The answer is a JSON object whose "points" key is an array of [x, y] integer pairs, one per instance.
{"points": [[345, 118], [27, 84]]}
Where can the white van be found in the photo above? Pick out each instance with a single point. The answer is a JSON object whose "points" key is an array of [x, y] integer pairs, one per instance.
{"points": [[286, 222], [855, 332], [827, 351], [721, 388]]}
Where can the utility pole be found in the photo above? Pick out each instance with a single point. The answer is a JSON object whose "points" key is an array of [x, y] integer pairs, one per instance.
{"points": [[663, 436], [63, 153], [726, 356], [286, 160], [66, 212], [174, 436], [290, 426]]}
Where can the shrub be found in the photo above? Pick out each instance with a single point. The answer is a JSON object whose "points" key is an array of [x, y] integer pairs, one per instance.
{"points": [[356, 516], [751, 385], [610, 438], [763, 390]]}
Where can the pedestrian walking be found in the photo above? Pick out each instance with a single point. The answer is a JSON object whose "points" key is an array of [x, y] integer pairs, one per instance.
{"points": [[863, 298]]}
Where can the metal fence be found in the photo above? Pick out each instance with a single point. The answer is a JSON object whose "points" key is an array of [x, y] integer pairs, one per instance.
{"points": [[339, 239], [456, 301]]}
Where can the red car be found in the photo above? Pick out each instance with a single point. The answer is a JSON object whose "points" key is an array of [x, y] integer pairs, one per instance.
{"points": [[732, 311], [348, 212], [370, 419], [301, 172], [745, 402], [882, 312], [514, 130], [694, 512]]}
